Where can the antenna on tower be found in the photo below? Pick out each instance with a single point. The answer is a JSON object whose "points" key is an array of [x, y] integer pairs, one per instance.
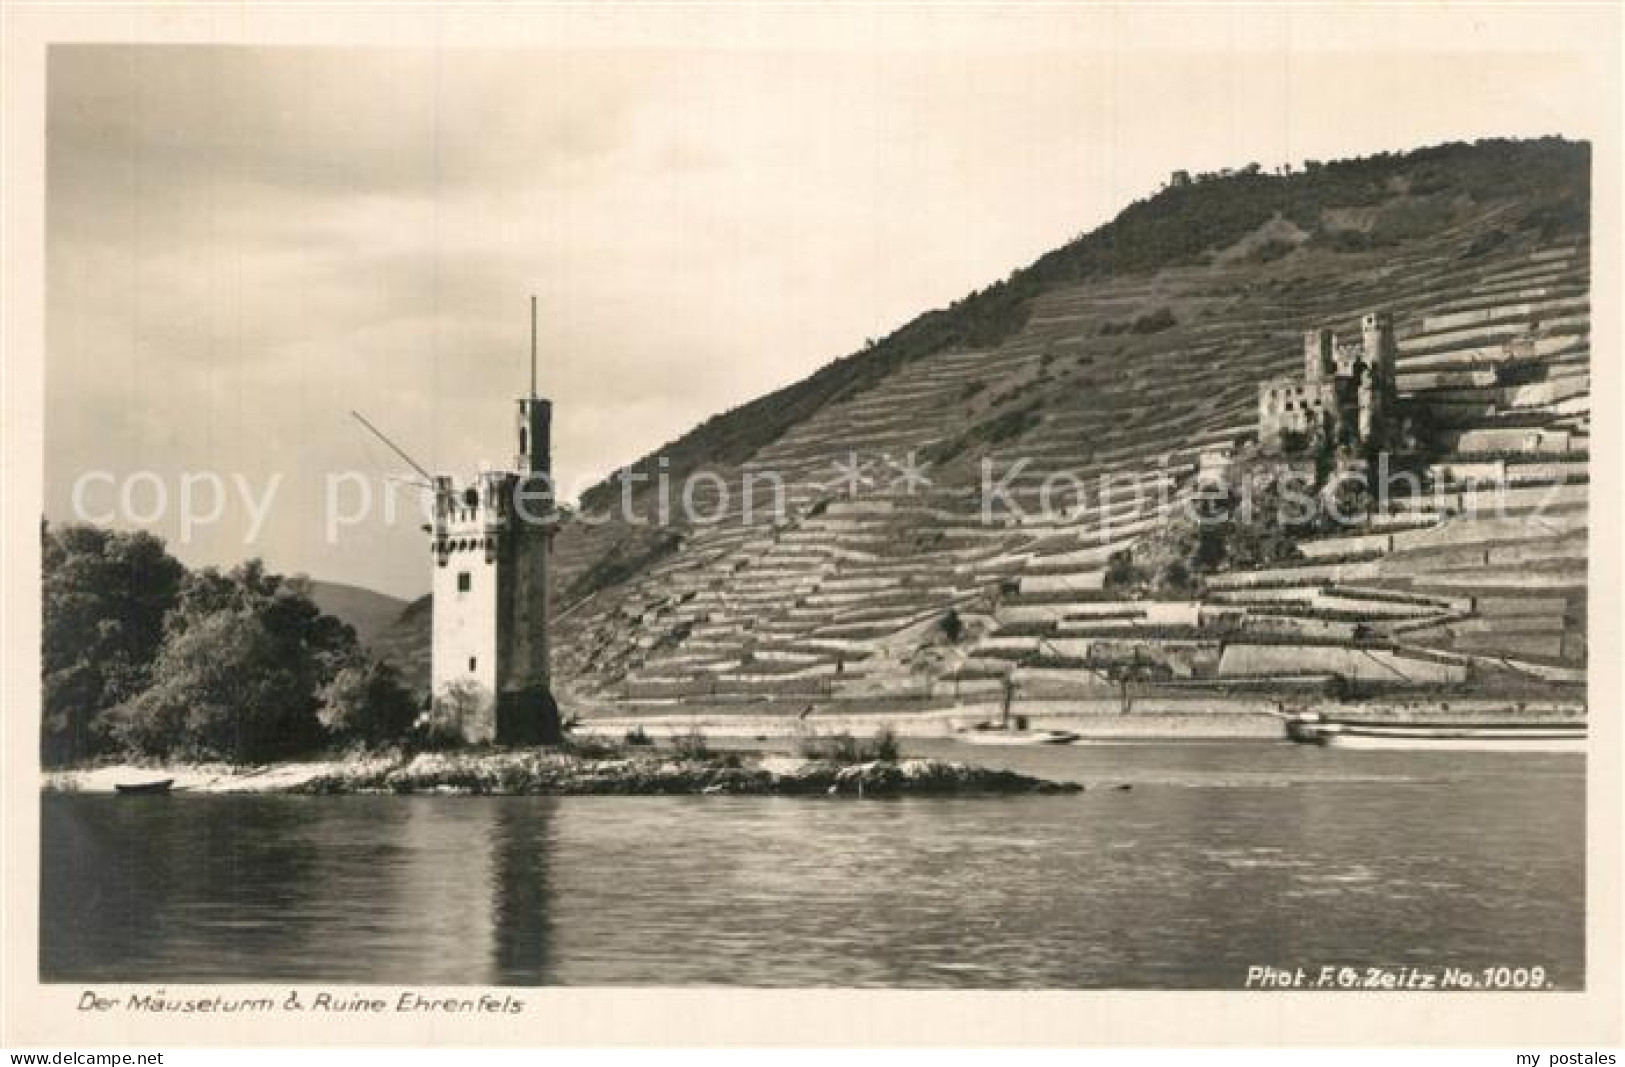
{"points": [[376, 432], [533, 346]]}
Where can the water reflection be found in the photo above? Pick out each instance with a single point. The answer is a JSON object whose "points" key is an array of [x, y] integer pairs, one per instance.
{"points": [[520, 887], [1199, 872]]}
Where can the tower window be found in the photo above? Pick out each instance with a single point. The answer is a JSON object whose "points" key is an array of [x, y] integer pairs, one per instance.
{"points": [[524, 439], [473, 661], [464, 582]]}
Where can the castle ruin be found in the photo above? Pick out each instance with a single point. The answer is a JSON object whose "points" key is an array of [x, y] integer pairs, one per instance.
{"points": [[1346, 394]]}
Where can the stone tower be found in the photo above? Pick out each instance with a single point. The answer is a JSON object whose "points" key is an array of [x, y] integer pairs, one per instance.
{"points": [[491, 542], [1377, 386], [1319, 363]]}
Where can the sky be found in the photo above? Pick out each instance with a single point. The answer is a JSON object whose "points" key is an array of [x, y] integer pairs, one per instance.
{"points": [[243, 244]]}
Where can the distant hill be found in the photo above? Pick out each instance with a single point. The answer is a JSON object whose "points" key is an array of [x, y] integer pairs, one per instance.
{"points": [[1129, 353], [367, 611], [1176, 227], [405, 642]]}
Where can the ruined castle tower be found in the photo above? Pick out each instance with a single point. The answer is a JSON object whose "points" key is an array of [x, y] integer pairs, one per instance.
{"points": [[491, 542], [1377, 385], [1319, 363], [1346, 391]]}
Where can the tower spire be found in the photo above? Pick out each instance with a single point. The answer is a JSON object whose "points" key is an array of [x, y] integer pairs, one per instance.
{"points": [[533, 346]]}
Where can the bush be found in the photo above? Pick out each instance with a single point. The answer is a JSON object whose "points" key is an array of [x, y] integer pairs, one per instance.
{"points": [[1484, 244], [844, 748], [1155, 322], [367, 703], [1271, 250], [455, 704], [691, 745], [637, 736], [592, 748], [953, 627], [1010, 423], [1152, 322], [1344, 240], [1122, 576], [433, 733]]}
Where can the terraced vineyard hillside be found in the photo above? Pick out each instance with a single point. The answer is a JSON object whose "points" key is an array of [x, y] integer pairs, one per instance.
{"points": [[1089, 393]]}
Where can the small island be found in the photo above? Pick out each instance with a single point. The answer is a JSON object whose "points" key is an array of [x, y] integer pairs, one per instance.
{"points": [[589, 770], [554, 773]]}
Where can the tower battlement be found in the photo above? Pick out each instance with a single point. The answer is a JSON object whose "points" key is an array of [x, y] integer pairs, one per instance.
{"points": [[491, 505]]}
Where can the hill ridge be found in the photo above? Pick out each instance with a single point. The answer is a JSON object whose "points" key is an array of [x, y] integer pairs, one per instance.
{"points": [[1138, 363]]}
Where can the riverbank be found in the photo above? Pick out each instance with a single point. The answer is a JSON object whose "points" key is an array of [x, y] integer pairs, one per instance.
{"points": [[1093, 720], [546, 772]]}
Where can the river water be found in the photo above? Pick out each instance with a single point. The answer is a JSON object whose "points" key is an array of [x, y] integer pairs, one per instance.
{"points": [[1220, 857]]}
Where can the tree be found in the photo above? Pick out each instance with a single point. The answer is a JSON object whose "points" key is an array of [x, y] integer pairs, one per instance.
{"points": [[1175, 579], [105, 594], [1256, 522], [1122, 575], [1127, 674], [285, 604], [366, 702], [1344, 501], [225, 687], [246, 654]]}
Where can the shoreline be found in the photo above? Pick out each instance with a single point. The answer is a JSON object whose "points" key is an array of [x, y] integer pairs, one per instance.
{"points": [[553, 772], [639, 770], [1093, 720]]}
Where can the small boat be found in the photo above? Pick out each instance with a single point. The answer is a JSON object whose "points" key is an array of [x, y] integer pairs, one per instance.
{"points": [[996, 736], [1012, 729], [1496, 735], [139, 789]]}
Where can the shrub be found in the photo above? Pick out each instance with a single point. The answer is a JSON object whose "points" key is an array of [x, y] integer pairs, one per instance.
{"points": [[844, 748], [1271, 250], [1344, 240], [841, 747], [638, 737], [1010, 424], [1122, 576], [953, 627], [591, 748], [455, 704], [691, 745], [1484, 244], [1155, 322], [367, 703], [431, 733]]}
